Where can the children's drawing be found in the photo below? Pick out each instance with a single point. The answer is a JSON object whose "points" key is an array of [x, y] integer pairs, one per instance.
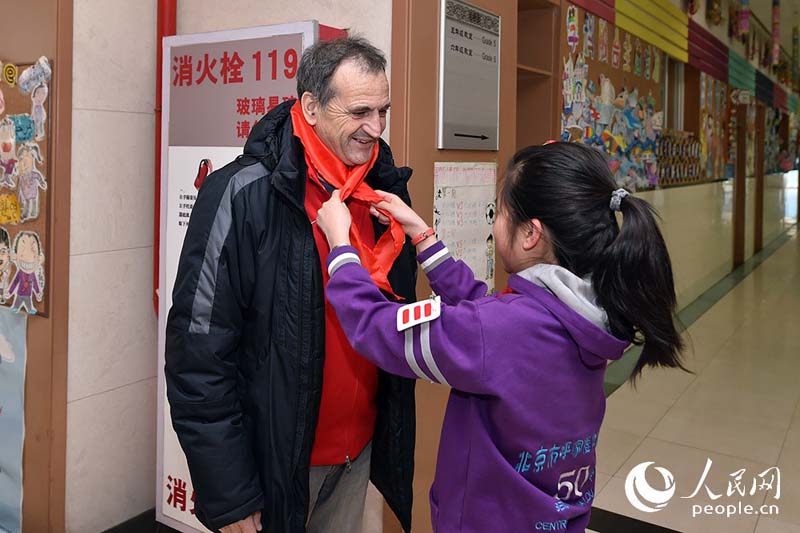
{"points": [[30, 180], [28, 282]]}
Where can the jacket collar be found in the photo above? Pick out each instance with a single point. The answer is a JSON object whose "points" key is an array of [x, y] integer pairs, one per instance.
{"points": [[272, 142]]}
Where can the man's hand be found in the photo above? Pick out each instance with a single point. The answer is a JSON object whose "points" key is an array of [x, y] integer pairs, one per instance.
{"points": [[334, 220], [412, 223], [251, 524]]}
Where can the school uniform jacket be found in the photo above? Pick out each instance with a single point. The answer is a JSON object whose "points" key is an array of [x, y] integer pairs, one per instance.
{"points": [[517, 450]]}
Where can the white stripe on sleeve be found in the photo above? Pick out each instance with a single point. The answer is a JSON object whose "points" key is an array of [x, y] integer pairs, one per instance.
{"points": [[347, 257], [410, 359], [425, 341], [435, 258]]}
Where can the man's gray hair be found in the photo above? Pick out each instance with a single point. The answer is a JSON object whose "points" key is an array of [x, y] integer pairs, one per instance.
{"points": [[320, 60]]}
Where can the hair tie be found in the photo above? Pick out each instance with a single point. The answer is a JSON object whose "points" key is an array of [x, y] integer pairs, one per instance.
{"points": [[616, 199]]}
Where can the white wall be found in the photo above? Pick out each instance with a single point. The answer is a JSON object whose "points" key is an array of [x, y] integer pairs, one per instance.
{"points": [[776, 205], [111, 422], [698, 228], [111, 376]]}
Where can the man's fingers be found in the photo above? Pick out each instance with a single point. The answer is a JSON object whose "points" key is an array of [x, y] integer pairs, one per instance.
{"points": [[257, 520]]}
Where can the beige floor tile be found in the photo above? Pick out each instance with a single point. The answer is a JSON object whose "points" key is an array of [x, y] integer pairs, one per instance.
{"points": [[600, 482], [756, 379], [613, 449], [662, 386], [723, 431], [686, 465], [637, 417], [769, 525], [773, 409]]}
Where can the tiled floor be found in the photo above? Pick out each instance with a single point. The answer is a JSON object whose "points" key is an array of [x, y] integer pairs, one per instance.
{"points": [[741, 410]]}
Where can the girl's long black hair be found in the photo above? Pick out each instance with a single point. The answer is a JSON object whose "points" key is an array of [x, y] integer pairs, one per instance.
{"points": [[568, 187]]}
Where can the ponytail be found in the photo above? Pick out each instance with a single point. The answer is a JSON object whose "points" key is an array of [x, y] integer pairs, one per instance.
{"points": [[634, 284], [569, 188]]}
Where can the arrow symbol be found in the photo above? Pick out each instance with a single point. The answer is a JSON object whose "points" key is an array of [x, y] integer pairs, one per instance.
{"points": [[481, 137]]}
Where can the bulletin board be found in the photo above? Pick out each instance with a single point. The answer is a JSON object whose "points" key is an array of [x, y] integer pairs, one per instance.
{"points": [[24, 178], [612, 95]]}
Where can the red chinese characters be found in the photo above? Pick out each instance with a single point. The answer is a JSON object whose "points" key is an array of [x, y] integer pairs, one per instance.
{"points": [[177, 494]]}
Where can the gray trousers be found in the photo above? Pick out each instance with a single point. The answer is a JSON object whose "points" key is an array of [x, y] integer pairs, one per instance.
{"points": [[337, 494]]}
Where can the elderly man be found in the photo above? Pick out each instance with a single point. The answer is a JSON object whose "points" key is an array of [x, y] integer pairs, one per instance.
{"points": [[282, 422]]}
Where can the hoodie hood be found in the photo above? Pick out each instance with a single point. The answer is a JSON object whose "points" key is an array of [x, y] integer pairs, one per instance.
{"points": [[576, 292], [573, 302]]}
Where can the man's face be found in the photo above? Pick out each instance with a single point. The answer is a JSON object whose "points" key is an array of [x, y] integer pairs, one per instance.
{"points": [[353, 120]]}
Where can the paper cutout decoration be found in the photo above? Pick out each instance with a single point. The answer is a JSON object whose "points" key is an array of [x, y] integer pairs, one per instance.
{"points": [[656, 65], [5, 263], [572, 28], [37, 74], [603, 43], [23, 126], [615, 50], [10, 73], [627, 53], [38, 114], [30, 180], [8, 153], [28, 282], [647, 62], [9, 209], [588, 36], [638, 60]]}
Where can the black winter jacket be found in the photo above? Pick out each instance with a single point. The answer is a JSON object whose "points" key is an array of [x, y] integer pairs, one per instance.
{"points": [[245, 341]]}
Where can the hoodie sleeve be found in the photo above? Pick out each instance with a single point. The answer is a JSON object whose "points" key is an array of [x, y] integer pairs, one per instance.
{"points": [[452, 280], [215, 276], [448, 349]]}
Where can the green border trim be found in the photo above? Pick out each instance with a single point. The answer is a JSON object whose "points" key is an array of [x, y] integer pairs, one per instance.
{"points": [[619, 371]]}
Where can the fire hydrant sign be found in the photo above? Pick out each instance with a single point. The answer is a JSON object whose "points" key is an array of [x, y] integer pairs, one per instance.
{"points": [[469, 77], [216, 86]]}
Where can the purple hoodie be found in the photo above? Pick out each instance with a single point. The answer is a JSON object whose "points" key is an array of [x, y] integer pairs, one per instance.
{"points": [[517, 450]]}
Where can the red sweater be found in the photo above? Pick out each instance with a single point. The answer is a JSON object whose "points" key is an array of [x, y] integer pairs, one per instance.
{"points": [[349, 382]]}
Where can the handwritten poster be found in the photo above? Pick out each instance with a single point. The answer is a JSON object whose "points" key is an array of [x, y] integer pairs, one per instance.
{"points": [[464, 211]]}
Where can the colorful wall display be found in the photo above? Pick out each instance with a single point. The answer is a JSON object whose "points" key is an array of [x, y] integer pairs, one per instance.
{"points": [[24, 178], [713, 113], [13, 331], [616, 107], [679, 158]]}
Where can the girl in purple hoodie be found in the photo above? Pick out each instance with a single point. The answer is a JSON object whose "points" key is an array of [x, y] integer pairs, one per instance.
{"points": [[526, 367]]}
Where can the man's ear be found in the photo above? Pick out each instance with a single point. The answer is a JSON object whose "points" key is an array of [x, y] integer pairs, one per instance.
{"points": [[310, 106], [533, 234]]}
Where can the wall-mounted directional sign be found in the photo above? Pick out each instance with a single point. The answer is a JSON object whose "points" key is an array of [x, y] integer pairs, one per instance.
{"points": [[469, 77]]}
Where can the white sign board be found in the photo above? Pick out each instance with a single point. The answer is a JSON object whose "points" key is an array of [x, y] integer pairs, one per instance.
{"points": [[469, 77], [216, 87], [464, 211]]}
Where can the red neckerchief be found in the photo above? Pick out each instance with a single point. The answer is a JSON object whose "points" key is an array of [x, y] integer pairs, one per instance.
{"points": [[322, 162]]}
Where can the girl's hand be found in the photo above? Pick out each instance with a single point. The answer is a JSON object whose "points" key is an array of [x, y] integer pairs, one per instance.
{"points": [[334, 220], [412, 223]]}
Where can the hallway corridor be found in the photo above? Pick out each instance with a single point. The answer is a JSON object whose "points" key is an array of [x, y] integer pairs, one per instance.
{"points": [[739, 410]]}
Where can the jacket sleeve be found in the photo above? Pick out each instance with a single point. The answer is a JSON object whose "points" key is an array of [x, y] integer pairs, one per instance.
{"points": [[452, 280], [447, 350], [210, 298]]}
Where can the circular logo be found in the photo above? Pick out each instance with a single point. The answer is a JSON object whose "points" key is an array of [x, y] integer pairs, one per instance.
{"points": [[642, 495]]}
